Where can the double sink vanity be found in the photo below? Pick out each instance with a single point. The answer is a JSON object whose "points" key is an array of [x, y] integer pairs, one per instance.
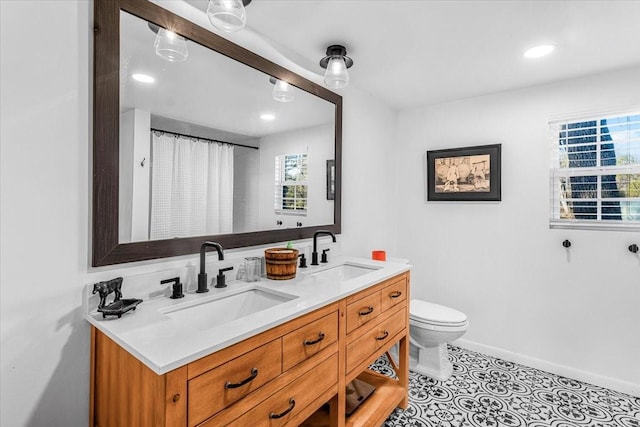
{"points": [[270, 353]]}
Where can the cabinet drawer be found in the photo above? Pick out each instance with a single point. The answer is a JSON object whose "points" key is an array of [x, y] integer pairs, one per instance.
{"points": [[309, 340], [393, 294], [291, 400], [362, 311], [214, 390], [360, 349]]}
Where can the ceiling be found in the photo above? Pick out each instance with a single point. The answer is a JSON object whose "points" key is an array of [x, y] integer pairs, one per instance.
{"points": [[411, 53], [184, 95]]}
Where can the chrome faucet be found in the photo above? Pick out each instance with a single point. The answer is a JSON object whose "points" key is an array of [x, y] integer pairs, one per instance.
{"points": [[202, 277], [314, 254]]}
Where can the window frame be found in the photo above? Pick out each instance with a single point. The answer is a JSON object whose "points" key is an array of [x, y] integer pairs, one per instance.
{"points": [[281, 181], [557, 171]]}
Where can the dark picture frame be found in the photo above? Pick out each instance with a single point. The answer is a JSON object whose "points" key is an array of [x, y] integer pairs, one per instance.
{"points": [[331, 179], [465, 174]]}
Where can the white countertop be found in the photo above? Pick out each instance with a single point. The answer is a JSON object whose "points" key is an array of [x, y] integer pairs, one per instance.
{"points": [[163, 343]]}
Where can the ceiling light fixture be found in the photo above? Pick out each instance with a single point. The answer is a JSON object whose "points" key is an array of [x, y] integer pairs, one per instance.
{"points": [[539, 51], [281, 90], [169, 45], [336, 63], [228, 15], [143, 78]]}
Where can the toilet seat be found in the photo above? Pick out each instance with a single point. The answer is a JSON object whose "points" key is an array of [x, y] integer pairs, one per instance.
{"points": [[427, 313]]}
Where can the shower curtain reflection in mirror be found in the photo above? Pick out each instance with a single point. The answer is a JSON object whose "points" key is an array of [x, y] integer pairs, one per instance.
{"points": [[191, 187]]}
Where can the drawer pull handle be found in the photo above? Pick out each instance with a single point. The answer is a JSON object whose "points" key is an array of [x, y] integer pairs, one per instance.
{"points": [[384, 336], [320, 338], [254, 373], [367, 312], [395, 294], [292, 404]]}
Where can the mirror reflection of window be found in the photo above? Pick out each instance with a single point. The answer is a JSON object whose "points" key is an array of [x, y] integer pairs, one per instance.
{"points": [[291, 186]]}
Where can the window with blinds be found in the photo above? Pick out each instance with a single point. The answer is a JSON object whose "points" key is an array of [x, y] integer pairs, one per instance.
{"points": [[291, 184], [595, 172]]}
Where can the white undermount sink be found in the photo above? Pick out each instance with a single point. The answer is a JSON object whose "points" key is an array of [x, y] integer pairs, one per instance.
{"points": [[344, 272], [214, 312]]}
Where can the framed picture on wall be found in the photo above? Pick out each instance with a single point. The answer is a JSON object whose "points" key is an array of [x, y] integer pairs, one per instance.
{"points": [[464, 174], [331, 179]]}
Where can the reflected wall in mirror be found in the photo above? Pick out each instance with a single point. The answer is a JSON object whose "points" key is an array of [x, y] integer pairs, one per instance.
{"points": [[187, 150]]}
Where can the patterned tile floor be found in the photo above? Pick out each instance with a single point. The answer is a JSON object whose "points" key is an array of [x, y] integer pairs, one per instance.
{"points": [[489, 392]]}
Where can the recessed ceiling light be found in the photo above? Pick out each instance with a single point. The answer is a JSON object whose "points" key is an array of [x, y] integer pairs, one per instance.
{"points": [[539, 51], [144, 78], [267, 116]]}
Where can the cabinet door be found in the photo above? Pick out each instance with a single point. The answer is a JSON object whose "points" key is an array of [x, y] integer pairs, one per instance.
{"points": [[218, 388]]}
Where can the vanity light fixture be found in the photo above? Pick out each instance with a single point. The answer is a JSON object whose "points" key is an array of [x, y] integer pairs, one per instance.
{"points": [[539, 51], [228, 15], [281, 90], [169, 45], [267, 116], [336, 63], [143, 78]]}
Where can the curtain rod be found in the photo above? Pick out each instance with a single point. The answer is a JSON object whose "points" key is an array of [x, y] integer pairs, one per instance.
{"points": [[204, 139]]}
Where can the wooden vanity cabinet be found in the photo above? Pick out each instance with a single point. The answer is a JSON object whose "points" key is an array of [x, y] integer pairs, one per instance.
{"points": [[281, 377], [367, 342]]}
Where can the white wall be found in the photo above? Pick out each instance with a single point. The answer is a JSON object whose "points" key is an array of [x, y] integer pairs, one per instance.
{"points": [[44, 82], [246, 176], [45, 108], [370, 202], [527, 298], [135, 177]]}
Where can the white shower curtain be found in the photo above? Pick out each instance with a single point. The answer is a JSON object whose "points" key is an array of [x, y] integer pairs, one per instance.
{"points": [[191, 187]]}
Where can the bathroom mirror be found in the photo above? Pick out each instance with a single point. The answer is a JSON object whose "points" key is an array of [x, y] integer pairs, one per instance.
{"points": [[218, 93]]}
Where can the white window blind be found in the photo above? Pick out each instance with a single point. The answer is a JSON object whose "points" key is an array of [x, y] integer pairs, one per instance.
{"points": [[595, 172], [291, 184]]}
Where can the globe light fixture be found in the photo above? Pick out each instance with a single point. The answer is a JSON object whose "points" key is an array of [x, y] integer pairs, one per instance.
{"points": [[281, 90], [169, 45], [228, 15]]}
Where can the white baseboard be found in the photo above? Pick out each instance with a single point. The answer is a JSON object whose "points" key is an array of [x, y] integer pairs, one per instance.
{"points": [[563, 370]]}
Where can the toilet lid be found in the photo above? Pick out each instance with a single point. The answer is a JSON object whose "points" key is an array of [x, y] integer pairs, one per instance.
{"points": [[428, 312]]}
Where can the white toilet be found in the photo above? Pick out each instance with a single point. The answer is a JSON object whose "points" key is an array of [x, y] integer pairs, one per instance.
{"points": [[432, 326]]}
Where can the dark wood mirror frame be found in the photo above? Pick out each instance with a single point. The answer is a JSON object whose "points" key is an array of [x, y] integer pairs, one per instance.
{"points": [[106, 248]]}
